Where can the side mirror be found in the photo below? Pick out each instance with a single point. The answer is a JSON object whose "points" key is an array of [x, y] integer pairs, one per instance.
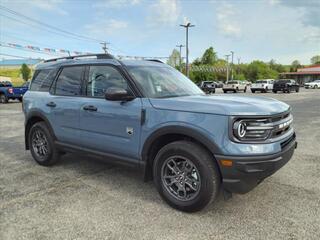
{"points": [[118, 94]]}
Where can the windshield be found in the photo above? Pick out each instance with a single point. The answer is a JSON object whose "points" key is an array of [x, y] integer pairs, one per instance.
{"points": [[233, 82], [163, 82], [261, 82], [283, 81]]}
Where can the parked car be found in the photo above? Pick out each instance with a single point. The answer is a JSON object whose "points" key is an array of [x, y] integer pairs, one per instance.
{"points": [[7, 91], [314, 84], [262, 85], [208, 87], [285, 85], [148, 115], [235, 86], [219, 84]]}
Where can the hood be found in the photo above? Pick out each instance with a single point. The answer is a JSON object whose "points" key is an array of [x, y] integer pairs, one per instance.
{"points": [[222, 105]]}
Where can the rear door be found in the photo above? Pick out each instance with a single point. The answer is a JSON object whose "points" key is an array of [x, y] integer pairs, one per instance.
{"points": [[109, 126], [64, 105]]}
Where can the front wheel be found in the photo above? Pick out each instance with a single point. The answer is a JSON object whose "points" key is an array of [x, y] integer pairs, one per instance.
{"points": [[3, 98], [315, 86], [41, 143], [245, 89], [186, 176]]}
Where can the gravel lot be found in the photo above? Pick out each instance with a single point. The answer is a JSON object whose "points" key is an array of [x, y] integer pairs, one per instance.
{"points": [[81, 198]]}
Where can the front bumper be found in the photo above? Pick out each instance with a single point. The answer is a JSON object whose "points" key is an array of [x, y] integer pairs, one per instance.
{"points": [[247, 172]]}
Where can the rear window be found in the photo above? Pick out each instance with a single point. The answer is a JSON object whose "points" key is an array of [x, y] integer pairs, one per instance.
{"points": [[42, 80], [69, 81], [261, 82], [5, 84]]}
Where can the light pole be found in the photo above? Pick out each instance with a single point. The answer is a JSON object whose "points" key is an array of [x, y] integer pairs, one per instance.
{"points": [[232, 53], [180, 60], [187, 26], [227, 58]]}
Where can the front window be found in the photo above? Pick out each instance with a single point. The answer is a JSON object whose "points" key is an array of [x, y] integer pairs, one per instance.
{"points": [[163, 82]]}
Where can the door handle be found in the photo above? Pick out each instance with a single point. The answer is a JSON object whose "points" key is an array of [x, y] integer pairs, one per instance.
{"points": [[51, 104], [90, 108]]}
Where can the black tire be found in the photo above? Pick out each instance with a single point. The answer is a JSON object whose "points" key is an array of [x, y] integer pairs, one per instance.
{"points": [[245, 89], [297, 89], [315, 86], [20, 99], [253, 91], [274, 91], [266, 90], [224, 91], [3, 98], [52, 154], [203, 163]]}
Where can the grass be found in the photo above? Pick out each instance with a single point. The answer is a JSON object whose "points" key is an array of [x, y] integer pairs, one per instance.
{"points": [[14, 74]]}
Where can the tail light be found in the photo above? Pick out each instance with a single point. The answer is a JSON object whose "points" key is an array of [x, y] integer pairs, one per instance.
{"points": [[10, 90]]}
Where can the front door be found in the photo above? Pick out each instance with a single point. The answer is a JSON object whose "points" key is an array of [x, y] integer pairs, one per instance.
{"points": [[111, 127]]}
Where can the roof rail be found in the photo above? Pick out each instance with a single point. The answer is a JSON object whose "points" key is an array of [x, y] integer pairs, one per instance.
{"points": [[154, 60], [98, 55]]}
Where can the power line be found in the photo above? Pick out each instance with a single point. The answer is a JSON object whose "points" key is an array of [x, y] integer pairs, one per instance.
{"points": [[40, 27], [47, 25], [9, 55]]}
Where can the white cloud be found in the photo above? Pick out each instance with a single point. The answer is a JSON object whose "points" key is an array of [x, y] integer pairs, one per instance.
{"points": [[115, 3], [106, 27], [226, 24], [49, 5], [164, 12], [310, 8]]}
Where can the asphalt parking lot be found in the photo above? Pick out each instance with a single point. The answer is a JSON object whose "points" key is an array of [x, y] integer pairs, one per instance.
{"points": [[81, 198]]}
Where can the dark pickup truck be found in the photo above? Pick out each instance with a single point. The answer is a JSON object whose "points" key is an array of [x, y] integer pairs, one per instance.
{"points": [[285, 85], [7, 91]]}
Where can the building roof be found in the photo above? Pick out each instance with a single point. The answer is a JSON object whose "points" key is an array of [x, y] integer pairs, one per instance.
{"points": [[302, 73], [312, 68], [14, 62]]}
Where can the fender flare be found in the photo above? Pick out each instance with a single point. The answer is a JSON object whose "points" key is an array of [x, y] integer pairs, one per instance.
{"points": [[183, 130], [27, 127]]}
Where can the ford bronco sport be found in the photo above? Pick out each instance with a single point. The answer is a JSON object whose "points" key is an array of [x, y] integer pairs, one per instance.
{"points": [[149, 115]]}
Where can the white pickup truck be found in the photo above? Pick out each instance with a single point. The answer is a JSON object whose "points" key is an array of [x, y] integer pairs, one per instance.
{"points": [[235, 86], [262, 85]]}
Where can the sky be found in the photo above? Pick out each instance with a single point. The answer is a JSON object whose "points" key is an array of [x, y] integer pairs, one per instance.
{"points": [[283, 30]]}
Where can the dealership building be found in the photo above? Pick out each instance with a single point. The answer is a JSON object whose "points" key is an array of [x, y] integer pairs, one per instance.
{"points": [[303, 75]]}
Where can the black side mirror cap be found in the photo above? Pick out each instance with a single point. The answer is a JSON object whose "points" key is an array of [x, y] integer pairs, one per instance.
{"points": [[118, 94]]}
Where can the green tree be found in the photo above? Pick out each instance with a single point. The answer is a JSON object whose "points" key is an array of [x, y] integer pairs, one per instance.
{"points": [[260, 70], [295, 65], [209, 57], [315, 59], [174, 58], [25, 71]]}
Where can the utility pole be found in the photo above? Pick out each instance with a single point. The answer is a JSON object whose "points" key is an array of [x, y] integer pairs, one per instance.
{"points": [[232, 53], [187, 26], [239, 65], [180, 60], [104, 47], [227, 59]]}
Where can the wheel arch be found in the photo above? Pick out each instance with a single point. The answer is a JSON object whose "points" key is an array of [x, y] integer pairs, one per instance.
{"points": [[33, 118], [166, 135]]}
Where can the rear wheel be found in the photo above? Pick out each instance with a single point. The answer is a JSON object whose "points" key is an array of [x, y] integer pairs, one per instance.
{"points": [[253, 91], [41, 143], [297, 89], [3, 98], [315, 86], [20, 99], [274, 91], [245, 89], [224, 91], [186, 176]]}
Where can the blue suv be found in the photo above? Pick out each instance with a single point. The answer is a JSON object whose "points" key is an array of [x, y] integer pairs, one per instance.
{"points": [[148, 115]]}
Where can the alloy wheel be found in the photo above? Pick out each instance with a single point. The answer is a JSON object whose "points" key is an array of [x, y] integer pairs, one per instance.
{"points": [[40, 143], [181, 178]]}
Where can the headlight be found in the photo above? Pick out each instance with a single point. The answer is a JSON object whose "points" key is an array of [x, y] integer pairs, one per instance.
{"points": [[251, 129]]}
